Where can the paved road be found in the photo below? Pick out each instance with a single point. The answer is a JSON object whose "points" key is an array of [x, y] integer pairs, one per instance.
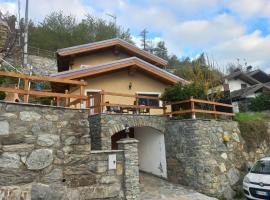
{"points": [[153, 188]]}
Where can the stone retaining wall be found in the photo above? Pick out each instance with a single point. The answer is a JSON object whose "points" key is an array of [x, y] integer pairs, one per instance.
{"points": [[198, 157], [45, 154]]}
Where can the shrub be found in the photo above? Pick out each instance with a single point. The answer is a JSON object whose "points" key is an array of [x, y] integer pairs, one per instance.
{"points": [[260, 103], [181, 91]]}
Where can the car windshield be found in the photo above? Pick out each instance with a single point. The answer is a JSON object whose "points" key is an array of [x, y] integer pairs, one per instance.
{"points": [[261, 167]]}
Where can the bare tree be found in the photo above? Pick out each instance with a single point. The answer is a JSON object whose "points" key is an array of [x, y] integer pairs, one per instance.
{"points": [[9, 35]]}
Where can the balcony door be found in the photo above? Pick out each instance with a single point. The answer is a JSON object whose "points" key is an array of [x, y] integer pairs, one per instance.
{"points": [[94, 100]]}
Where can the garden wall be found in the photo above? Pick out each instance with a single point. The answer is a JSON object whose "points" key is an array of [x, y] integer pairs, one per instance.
{"points": [[198, 157], [45, 154]]}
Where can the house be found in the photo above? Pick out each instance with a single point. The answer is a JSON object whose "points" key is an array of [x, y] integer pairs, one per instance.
{"points": [[117, 66], [245, 85]]}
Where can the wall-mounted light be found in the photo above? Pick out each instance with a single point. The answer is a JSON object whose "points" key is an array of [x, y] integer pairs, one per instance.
{"points": [[127, 131], [130, 86]]}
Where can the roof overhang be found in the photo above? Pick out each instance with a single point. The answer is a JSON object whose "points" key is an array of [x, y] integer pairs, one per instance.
{"points": [[88, 71], [244, 77], [90, 47]]}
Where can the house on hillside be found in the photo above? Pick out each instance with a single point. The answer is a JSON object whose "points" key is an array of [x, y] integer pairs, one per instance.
{"points": [[121, 78], [243, 86], [115, 66]]}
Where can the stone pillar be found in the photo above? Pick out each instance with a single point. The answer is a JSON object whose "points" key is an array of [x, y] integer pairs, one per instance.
{"points": [[131, 168]]}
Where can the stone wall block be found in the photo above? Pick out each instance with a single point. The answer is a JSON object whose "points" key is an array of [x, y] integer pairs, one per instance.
{"points": [[131, 168], [29, 116], [4, 130], [39, 159]]}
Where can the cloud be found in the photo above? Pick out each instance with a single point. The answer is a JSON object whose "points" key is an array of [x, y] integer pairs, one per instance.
{"points": [[254, 48], [195, 5], [8, 7], [153, 41], [205, 33], [250, 8], [38, 9]]}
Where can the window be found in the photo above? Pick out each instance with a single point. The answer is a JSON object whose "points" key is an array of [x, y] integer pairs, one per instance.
{"points": [[148, 102], [261, 167]]}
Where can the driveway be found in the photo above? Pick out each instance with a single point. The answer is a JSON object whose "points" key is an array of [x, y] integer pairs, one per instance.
{"points": [[153, 188]]}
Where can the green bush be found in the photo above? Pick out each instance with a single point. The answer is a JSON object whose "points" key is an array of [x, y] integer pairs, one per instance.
{"points": [[181, 91], [260, 103]]}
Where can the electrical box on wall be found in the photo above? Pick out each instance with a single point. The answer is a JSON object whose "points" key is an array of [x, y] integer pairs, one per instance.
{"points": [[112, 161]]}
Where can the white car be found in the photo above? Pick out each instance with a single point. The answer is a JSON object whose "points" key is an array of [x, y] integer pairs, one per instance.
{"points": [[256, 183]]}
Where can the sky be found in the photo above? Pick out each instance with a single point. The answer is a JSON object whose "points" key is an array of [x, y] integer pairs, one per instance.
{"points": [[226, 30]]}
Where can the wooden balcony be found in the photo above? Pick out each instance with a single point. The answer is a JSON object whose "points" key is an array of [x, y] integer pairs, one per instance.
{"points": [[114, 103]]}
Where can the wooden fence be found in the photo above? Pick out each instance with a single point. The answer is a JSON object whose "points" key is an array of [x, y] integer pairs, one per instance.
{"points": [[102, 105], [26, 90], [193, 106]]}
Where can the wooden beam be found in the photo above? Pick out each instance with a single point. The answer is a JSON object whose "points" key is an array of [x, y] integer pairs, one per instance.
{"points": [[67, 100], [26, 88], [82, 90], [41, 94], [131, 106], [42, 78], [129, 95]]}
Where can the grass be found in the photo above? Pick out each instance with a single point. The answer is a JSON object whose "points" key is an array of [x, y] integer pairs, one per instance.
{"points": [[251, 116], [253, 128]]}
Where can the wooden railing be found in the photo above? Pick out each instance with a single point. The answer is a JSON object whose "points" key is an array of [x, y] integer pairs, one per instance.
{"points": [[99, 102], [26, 91], [193, 106], [103, 104]]}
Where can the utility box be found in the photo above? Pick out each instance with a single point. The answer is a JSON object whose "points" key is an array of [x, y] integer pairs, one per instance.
{"points": [[112, 161]]}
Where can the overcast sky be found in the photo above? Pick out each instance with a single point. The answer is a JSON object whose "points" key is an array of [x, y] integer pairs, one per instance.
{"points": [[224, 29]]}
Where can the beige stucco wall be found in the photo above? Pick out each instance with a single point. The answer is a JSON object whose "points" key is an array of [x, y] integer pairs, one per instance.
{"points": [[119, 82], [97, 58]]}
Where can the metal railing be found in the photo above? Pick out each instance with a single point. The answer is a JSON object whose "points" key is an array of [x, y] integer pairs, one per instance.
{"points": [[41, 52]]}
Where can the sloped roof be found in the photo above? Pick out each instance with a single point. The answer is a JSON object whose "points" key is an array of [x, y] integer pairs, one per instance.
{"points": [[109, 43], [259, 75], [243, 76], [242, 93], [87, 71]]}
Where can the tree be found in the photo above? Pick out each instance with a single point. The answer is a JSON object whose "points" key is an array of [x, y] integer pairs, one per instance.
{"points": [[58, 31], [161, 50], [173, 62], [260, 103], [9, 35], [144, 40]]}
